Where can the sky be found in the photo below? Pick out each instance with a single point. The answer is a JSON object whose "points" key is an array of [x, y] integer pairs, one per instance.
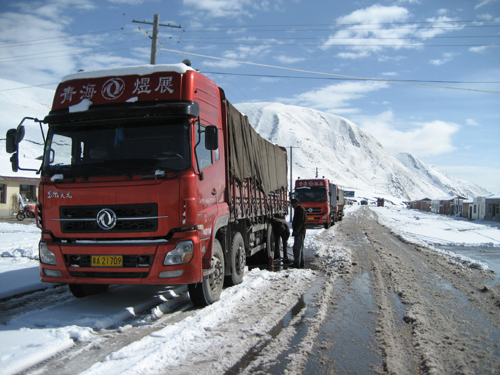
{"points": [[421, 76]]}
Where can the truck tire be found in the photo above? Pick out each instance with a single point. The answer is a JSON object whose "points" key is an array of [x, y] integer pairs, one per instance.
{"points": [[209, 290], [236, 261], [85, 290]]}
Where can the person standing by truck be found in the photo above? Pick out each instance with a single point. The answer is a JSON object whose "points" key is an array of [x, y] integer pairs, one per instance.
{"points": [[299, 224], [281, 231]]}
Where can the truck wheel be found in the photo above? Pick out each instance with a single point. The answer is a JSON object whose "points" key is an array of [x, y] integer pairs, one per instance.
{"points": [[327, 225], [84, 290], [209, 290], [236, 261]]}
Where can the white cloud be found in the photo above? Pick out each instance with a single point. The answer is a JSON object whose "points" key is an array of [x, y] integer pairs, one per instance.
{"points": [[447, 57], [243, 52], [376, 28], [39, 49], [485, 2], [289, 60], [335, 98], [479, 49], [419, 138], [24, 57], [221, 64], [471, 122], [220, 8]]}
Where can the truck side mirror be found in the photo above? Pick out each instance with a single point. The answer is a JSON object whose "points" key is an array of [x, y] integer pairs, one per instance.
{"points": [[14, 160], [211, 138], [20, 134], [10, 143]]}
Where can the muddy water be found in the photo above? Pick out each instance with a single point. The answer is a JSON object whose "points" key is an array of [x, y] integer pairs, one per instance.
{"points": [[345, 341], [488, 255]]}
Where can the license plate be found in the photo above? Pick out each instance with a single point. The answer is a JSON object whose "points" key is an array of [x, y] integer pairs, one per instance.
{"points": [[107, 261], [310, 218]]}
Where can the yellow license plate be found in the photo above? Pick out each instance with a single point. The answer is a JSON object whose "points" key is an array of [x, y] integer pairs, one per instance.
{"points": [[310, 218], [107, 261]]}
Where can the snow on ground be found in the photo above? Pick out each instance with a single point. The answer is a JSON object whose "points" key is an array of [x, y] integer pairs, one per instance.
{"points": [[436, 231], [60, 320]]}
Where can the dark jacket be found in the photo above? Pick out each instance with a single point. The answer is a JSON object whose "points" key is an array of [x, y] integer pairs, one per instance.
{"points": [[299, 222], [281, 228]]}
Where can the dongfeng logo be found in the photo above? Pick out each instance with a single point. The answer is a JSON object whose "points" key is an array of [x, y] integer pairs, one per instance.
{"points": [[106, 219], [113, 88], [309, 210]]}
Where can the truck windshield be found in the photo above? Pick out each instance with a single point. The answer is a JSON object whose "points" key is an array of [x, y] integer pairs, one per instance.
{"points": [[125, 147], [311, 195]]}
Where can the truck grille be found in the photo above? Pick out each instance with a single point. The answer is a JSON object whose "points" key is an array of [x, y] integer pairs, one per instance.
{"points": [[129, 218]]}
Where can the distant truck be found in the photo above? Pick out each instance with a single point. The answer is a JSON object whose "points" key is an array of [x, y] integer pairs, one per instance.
{"points": [[380, 202], [150, 176], [323, 201]]}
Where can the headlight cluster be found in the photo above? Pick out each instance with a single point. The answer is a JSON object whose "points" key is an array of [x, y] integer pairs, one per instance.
{"points": [[182, 253], [46, 256]]}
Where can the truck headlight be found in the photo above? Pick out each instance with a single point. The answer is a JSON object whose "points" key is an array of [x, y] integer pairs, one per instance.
{"points": [[46, 256], [325, 217], [182, 253]]}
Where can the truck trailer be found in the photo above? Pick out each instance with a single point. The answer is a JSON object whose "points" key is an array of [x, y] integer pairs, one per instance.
{"points": [[323, 201], [150, 176]]}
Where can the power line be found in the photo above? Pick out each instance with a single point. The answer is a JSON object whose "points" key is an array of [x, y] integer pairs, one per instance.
{"points": [[362, 23], [371, 37], [350, 79], [23, 57], [248, 43], [219, 28], [56, 38], [331, 74]]}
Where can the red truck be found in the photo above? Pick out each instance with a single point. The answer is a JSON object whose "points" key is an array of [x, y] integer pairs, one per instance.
{"points": [[323, 201], [150, 176]]}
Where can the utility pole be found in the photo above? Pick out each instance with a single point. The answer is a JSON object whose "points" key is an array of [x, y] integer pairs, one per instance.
{"points": [[154, 42]]}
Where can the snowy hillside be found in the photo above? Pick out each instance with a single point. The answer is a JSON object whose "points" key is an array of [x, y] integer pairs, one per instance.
{"points": [[436, 177], [347, 155], [335, 146]]}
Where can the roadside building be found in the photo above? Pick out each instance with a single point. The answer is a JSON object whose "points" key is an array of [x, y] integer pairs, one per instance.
{"points": [[447, 206], [477, 210], [466, 208], [16, 184], [456, 208], [492, 205], [423, 204]]}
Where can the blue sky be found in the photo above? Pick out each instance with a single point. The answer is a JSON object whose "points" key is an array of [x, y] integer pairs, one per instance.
{"points": [[429, 72]]}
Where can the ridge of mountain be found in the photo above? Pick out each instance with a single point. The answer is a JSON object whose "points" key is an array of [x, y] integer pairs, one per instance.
{"points": [[348, 156]]}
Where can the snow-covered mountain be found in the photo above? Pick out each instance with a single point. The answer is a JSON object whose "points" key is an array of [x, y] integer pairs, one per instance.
{"points": [[323, 143], [436, 177], [342, 152]]}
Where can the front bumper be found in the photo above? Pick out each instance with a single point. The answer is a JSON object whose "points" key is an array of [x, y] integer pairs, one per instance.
{"points": [[142, 262]]}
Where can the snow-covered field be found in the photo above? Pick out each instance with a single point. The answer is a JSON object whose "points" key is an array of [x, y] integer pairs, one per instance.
{"points": [[58, 321]]}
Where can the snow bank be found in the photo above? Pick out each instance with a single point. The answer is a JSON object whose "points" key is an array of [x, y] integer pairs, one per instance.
{"points": [[432, 230]]}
